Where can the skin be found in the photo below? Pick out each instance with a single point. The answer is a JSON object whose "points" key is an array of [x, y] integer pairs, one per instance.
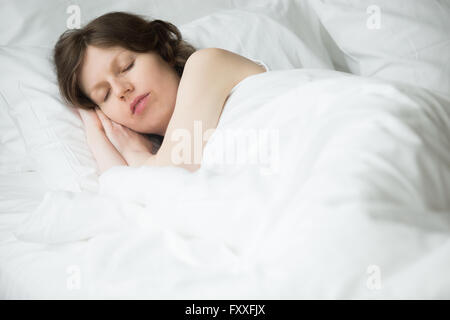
{"points": [[175, 104], [123, 75]]}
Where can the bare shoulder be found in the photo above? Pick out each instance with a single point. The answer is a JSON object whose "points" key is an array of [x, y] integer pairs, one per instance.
{"points": [[222, 65], [218, 55], [207, 79]]}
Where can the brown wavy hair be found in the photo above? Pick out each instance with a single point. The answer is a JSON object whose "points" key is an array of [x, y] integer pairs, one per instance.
{"points": [[127, 30]]}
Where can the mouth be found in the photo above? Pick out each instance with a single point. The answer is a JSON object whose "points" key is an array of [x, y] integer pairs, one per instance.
{"points": [[139, 103]]}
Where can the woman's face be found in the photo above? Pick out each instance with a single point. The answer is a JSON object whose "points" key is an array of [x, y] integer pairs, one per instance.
{"points": [[114, 77]]}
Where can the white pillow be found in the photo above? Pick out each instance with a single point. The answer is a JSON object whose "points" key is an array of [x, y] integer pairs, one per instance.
{"points": [[255, 36], [299, 17], [53, 133], [39, 23], [14, 156], [405, 41]]}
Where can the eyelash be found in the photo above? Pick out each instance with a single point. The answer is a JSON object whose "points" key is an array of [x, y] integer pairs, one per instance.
{"points": [[126, 69]]}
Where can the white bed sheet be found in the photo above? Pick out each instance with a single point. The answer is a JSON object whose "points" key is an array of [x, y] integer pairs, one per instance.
{"points": [[390, 225], [337, 216]]}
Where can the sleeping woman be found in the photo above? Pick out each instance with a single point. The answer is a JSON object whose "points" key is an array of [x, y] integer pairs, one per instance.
{"points": [[137, 84]]}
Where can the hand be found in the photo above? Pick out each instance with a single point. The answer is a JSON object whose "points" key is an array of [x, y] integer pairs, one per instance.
{"points": [[90, 119], [133, 146]]}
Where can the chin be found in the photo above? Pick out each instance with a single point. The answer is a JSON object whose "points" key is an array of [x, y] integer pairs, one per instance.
{"points": [[150, 130]]}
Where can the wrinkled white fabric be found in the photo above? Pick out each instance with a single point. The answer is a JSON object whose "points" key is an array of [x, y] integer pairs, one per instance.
{"points": [[351, 202]]}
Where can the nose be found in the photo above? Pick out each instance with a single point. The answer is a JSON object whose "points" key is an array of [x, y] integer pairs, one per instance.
{"points": [[122, 89]]}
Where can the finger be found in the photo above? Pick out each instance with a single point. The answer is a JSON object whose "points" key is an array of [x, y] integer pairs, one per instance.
{"points": [[99, 112], [106, 122], [103, 116], [115, 125], [83, 113], [120, 126], [80, 113]]}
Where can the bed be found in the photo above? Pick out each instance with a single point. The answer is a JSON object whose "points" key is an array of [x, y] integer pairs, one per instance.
{"points": [[328, 176]]}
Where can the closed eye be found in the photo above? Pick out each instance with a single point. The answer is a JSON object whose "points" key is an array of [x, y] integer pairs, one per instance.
{"points": [[124, 70], [107, 95], [129, 67]]}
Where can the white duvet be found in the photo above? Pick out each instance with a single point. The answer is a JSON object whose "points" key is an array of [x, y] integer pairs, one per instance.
{"points": [[346, 197]]}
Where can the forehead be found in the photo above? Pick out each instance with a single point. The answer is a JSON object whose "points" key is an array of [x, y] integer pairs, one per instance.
{"points": [[96, 62]]}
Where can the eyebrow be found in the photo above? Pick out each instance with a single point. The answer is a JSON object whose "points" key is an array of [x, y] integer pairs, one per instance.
{"points": [[99, 84]]}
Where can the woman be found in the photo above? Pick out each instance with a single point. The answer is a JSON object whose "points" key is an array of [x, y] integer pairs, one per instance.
{"points": [[130, 78]]}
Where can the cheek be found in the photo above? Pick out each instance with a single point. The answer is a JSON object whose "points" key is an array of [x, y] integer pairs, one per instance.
{"points": [[113, 115], [173, 91]]}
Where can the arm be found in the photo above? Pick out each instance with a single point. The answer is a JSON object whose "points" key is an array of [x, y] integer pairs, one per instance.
{"points": [[208, 77]]}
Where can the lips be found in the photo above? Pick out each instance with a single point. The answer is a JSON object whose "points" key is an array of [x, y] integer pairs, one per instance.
{"points": [[136, 101]]}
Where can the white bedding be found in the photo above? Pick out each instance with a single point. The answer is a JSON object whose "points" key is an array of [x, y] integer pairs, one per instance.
{"points": [[348, 196], [333, 208]]}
